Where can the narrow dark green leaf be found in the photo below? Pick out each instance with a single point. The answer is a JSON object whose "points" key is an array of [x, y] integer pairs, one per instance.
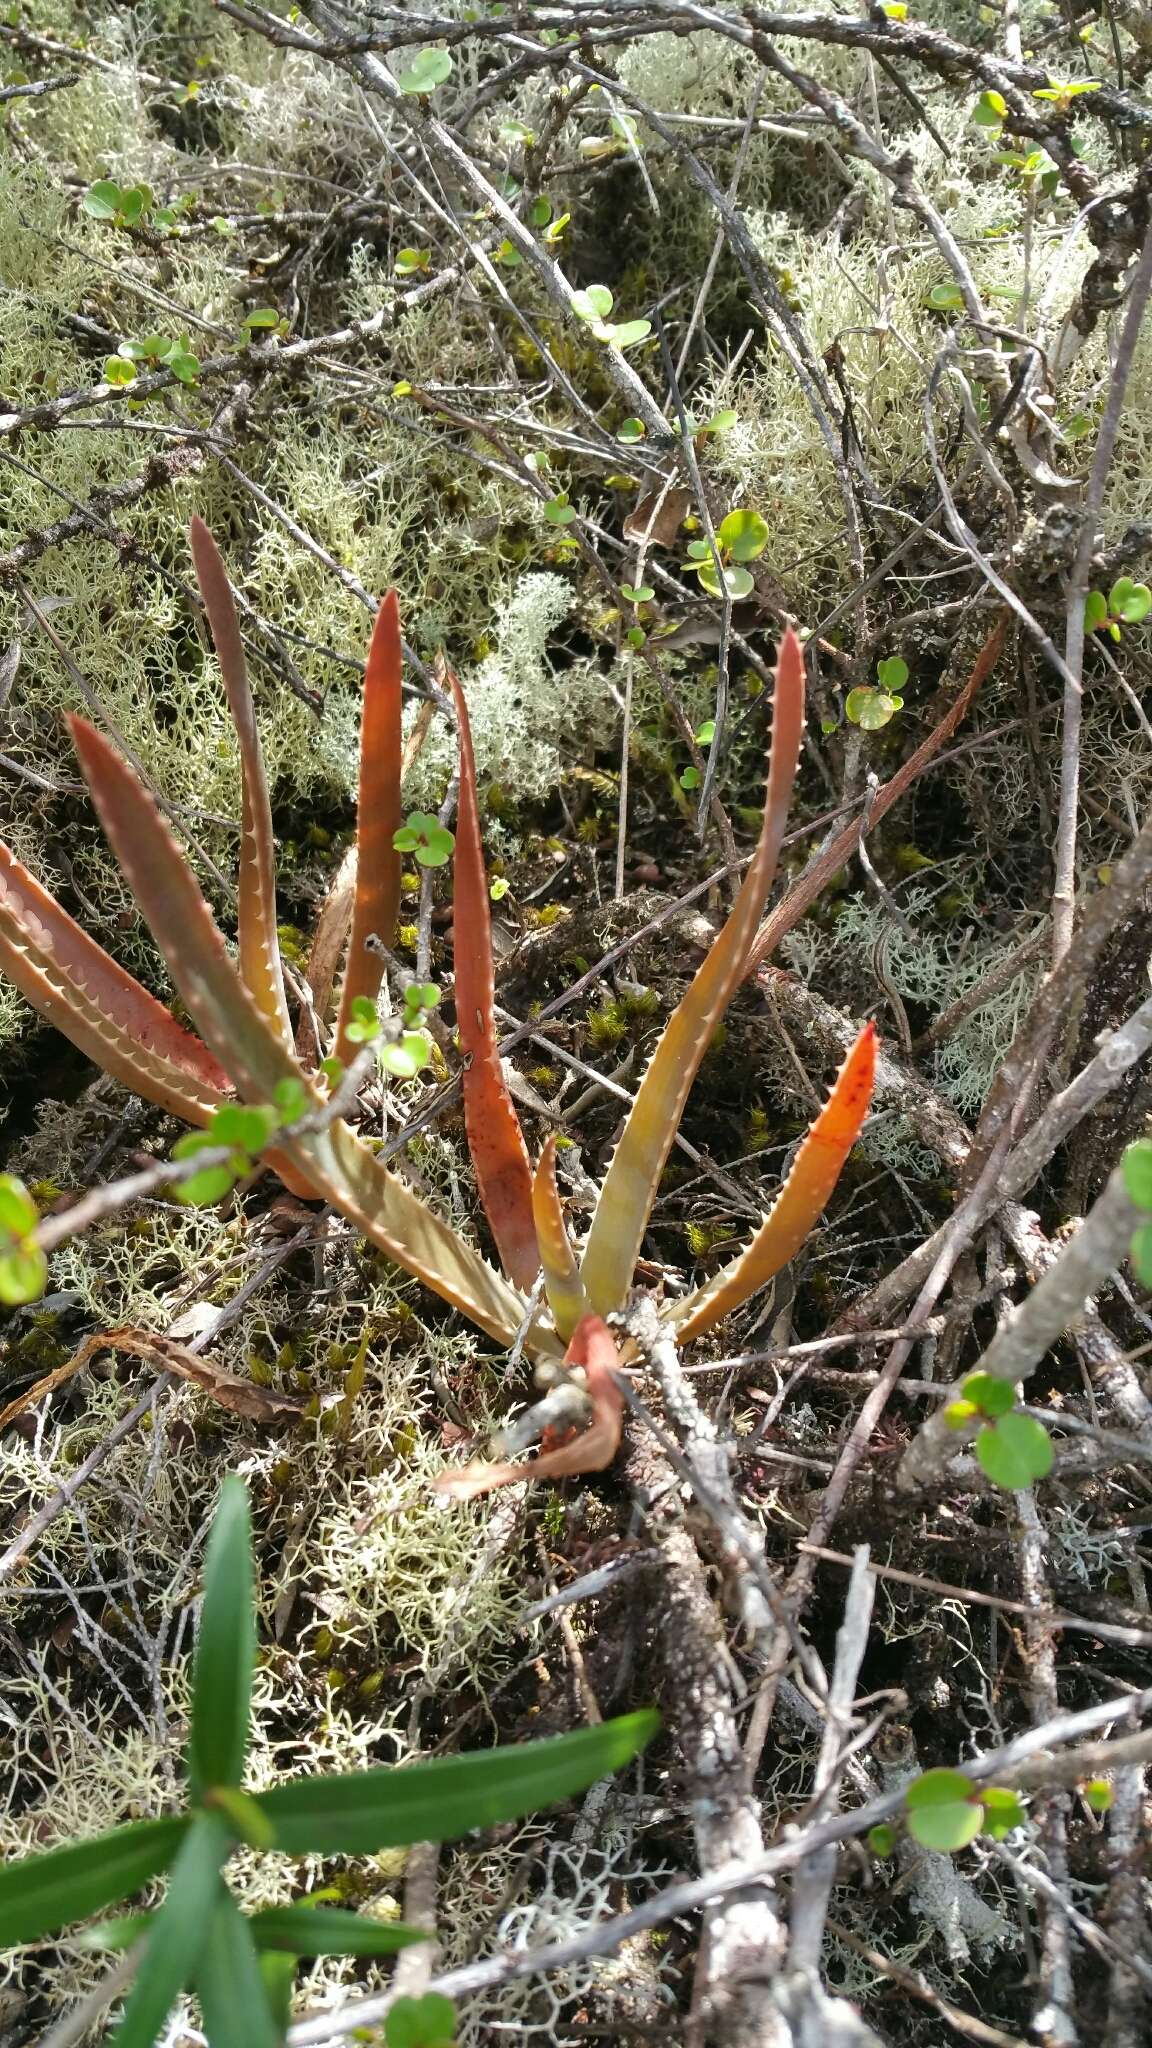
{"points": [[278, 1975], [43, 1893], [304, 1930], [230, 1984], [178, 1933], [369, 1810], [225, 1648]]}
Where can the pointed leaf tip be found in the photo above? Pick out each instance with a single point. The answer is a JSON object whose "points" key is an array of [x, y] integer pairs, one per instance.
{"points": [[378, 817], [495, 1139], [800, 1202]]}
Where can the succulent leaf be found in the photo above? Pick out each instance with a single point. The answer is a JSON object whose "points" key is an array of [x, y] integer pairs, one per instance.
{"points": [[562, 1284], [630, 1184], [336, 1166], [495, 1139], [804, 1195], [260, 963], [378, 818]]}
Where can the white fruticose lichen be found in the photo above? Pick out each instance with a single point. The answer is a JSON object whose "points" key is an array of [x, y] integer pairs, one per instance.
{"points": [[533, 1891]]}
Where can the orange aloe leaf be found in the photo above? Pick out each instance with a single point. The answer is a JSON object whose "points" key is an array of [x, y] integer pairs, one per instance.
{"points": [[839, 851], [80, 990], [337, 1167], [802, 1199], [378, 817], [562, 1283], [259, 946], [495, 1140], [593, 1349], [630, 1184]]}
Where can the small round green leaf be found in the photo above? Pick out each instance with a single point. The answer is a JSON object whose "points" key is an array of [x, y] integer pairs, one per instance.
{"points": [[958, 1414], [737, 580], [117, 372], [943, 1810], [248, 1128], [1098, 1794], [594, 304], [429, 68], [743, 534], [630, 332], [1137, 1168], [945, 298], [1014, 1451], [1129, 601], [1095, 611], [23, 1275], [892, 674], [18, 1212], [102, 200], [1004, 1810], [631, 430], [990, 1395], [426, 2022], [1140, 1252], [882, 1839]]}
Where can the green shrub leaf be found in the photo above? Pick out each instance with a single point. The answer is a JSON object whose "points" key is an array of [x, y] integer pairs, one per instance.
{"points": [[943, 1810], [1136, 1163], [1004, 1810], [102, 200], [1140, 1252], [743, 535], [365, 1811], [991, 1396], [225, 1648], [429, 68], [1015, 1451], [1129, 601], [594, 304], [427, 2022]]}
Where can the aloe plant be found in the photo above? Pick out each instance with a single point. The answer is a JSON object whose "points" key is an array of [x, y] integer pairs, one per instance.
{"points": [[245, 1044]]}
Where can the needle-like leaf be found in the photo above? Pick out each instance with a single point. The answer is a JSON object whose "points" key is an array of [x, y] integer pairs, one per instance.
{"points": [[592, 1348], [338, 1168], [178, 1933], [365, 1811], [259, 946], [803, 1197], [378, 818], [562, 1284], [225, 1648], [495, 1140], [630, 1184]]}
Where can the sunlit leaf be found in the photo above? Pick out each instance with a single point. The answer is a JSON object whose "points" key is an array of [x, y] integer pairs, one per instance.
{"points": [[366, 1811], [39, 1894]]}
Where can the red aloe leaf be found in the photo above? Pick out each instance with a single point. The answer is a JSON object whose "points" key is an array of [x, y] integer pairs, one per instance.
{"points": [[378, 817], [802, 1199], [495, 1140], [839, 851], [64, 1005], [335, 1165], [38, 920], [630, 1184], [259, 946], [593, 1349], [562, 1283]]}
